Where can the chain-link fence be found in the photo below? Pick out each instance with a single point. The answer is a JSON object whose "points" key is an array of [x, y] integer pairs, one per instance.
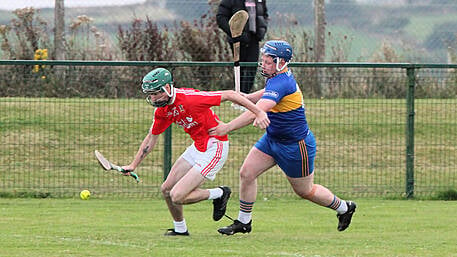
{"points": [[364, 117]]}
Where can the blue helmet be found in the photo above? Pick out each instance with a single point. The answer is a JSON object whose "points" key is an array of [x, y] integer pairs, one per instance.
{"points": [[277, 48]]}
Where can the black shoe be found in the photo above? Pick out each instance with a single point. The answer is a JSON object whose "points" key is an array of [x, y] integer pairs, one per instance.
{"points": [[220, 204], [236, 227], [172, 232], [345, 219]]}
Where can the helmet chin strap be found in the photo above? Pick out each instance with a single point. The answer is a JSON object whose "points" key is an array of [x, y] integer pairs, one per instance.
{"points": [[170, 94], [277, 65], [166, 102], [278, 69], [158, 104]]}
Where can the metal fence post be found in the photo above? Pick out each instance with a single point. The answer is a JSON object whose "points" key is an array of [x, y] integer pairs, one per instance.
{"points": [[167, 153], [411, 73]]}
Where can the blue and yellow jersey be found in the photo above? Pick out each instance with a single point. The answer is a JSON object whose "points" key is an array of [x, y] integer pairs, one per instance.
{"points": [[287, 118]]}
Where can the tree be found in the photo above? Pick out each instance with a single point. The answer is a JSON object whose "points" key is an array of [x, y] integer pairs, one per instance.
{"points": [[59, 31], [319, 30]]}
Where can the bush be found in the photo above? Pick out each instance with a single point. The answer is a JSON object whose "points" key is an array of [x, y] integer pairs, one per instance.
{"points": [[145, 41], [449, 195], [200, 40]]}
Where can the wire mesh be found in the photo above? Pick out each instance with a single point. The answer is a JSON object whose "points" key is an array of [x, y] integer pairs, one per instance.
{"points": [[51, 124]]}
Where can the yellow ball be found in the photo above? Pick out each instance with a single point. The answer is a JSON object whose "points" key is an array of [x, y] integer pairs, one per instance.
{"points": [[85, 194]]}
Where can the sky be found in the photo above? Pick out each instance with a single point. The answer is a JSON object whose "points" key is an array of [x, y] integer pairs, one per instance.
{"points": [[14, 4]]}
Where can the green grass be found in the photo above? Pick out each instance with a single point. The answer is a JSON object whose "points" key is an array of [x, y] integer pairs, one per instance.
{"points": [[422, 26], [47, 145], [104, 15], [281, 227]]}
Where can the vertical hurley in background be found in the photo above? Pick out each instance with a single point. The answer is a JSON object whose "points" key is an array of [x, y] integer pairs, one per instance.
{"points": [[253, 32]]}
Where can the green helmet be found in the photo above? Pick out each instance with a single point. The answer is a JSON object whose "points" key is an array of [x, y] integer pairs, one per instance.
{"points": [[156, 80]]}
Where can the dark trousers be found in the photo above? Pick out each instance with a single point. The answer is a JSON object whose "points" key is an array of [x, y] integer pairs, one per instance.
{"points": [[248, 53]]}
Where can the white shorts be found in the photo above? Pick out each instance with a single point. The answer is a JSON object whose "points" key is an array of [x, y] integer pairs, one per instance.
{"points": [[209, 162]]}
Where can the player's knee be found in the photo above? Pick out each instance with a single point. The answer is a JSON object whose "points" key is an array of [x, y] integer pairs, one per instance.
{"points": [[245, 175], [308, 192], [177, 197], [165, 190]]}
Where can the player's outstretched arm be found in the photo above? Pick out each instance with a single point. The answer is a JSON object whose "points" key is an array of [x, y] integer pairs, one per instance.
{"points": [[254, 96], [261, 118], [145, 148], [241, 121]]}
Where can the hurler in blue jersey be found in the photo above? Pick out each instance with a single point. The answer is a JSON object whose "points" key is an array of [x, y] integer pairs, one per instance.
{"points": [[288, 142]]}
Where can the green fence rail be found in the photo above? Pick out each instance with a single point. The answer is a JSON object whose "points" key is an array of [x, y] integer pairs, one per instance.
{"points": [[383, 130]]}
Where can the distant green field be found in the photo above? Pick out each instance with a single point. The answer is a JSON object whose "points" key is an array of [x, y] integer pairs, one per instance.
{"points": [[407, 42], [48, 144], [281, 227], [104, 15], [422, 26]]}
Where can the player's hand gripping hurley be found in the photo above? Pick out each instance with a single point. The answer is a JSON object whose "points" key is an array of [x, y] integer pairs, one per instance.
{"points": [[107, 165], [237, 23]]}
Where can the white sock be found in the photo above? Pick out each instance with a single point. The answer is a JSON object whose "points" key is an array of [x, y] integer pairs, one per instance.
{"points": [[244, 217], [342, 208], [180, 226], [215, 193]]}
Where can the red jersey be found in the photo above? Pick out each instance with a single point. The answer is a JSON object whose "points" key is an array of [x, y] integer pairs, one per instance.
{"points": [[190, 109]]}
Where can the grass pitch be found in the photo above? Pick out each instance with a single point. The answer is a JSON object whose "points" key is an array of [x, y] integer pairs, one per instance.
{"points": [[281, 227], [48, 146]]}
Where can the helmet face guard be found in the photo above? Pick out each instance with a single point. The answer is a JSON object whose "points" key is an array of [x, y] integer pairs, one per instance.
{"points": [[155, 82], [277, 49], [160, 103]]}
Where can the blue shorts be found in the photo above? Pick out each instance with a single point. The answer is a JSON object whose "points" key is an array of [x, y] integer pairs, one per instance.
{"points": [[296, 159]]}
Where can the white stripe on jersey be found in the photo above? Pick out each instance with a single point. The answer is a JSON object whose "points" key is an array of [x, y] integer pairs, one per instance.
{"points": [[202, 93]]}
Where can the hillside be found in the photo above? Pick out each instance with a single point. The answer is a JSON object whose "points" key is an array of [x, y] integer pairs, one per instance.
{"points": [[420, 32]]}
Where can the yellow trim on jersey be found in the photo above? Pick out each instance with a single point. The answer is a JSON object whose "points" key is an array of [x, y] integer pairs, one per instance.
{"points": [[289, 102]]}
